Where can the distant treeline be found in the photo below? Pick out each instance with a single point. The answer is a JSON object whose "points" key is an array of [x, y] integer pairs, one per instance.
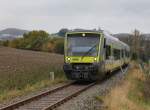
{"points": [[37, 41], [139, 44]]}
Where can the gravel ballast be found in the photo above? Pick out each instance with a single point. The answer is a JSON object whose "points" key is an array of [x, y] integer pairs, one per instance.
{"points": [[87, 100]]}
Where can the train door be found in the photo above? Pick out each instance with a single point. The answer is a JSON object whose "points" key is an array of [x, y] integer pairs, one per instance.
{"points": [[108, 58]]}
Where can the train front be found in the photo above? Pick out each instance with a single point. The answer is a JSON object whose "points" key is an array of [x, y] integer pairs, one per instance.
{"points": [[82, 55]]}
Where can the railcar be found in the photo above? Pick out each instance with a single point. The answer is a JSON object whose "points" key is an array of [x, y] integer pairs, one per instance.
{"points": [[90, 55]]}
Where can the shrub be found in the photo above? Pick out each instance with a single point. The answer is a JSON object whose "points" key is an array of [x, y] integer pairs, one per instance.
{"points": [[59, 46], [146, 89], [134, 56], [5, 43], [38, 41], [34, 40]]}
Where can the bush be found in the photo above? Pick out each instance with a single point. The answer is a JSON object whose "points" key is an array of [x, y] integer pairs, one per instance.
{"points": [[34, 40], [16, 43], [37, 41], [134, 56], [5, 43], [48, 46], [1, 43], [146, 90], [59, 46]]}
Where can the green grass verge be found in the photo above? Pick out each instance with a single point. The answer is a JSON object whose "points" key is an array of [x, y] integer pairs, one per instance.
{"points": [[21, 83], [137, 94]]}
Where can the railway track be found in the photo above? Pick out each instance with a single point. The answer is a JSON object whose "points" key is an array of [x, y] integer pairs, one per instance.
{"points": [[50, 99]]}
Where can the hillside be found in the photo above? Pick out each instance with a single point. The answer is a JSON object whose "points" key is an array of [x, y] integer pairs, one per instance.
{"points": [[122, 35], [126, 35], [20, 70], [11, 33]]}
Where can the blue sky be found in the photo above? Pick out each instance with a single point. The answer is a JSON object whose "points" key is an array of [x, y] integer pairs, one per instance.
{"points": [[115, 16]]}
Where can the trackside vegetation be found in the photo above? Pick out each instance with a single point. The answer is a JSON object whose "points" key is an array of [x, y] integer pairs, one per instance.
{"points": [[132, 94]]}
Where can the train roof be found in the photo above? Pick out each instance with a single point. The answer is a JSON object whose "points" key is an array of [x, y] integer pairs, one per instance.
{"points": [[109, 37], [85, 30]]}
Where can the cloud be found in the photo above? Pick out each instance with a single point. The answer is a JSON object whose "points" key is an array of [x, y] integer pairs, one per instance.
{"points": [[51, 15]]}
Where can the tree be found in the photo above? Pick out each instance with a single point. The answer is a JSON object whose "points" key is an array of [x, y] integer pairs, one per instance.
{"points": [[62, 32], [48, 46], [59, 46], [6, 43], [38, 41], [15, 43], [35, 39], [135, 44], [1, 43]]}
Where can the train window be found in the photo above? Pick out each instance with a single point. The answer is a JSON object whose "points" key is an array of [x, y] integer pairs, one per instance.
{"points": [[116, 54], [108, 51], [126, 53], [122, 53], [104, 42]]}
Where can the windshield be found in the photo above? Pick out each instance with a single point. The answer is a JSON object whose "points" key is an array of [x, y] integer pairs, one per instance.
{"points": [[83, 46]]}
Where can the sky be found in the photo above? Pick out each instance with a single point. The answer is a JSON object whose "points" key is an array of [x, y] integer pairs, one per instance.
{"points": [[115, 16]]}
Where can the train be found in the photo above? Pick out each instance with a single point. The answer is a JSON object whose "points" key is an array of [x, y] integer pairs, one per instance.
{"points": [[90, 55]]}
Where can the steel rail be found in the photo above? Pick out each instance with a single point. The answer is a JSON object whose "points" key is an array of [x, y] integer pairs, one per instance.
{"points": [[63, 100], [30, 99]]}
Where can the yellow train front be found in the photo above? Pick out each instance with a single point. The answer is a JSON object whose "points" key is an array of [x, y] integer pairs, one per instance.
{"points": [[90, 55]]}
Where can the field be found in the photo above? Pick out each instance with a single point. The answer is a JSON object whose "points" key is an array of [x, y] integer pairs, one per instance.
{"points": [[22, 71]]}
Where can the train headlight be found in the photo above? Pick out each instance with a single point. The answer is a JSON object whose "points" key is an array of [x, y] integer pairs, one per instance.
{"points": [[68, 59], [83, 34], [95, 59]]}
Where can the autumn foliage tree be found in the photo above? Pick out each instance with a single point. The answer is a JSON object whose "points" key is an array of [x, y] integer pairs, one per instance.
{"points": [[34, 40], [37, 41]]}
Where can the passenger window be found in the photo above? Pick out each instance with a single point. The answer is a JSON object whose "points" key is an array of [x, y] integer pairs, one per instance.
{"points": [[116, 54], [104, 42], [108, 51], [127, 53], [122, 53]]}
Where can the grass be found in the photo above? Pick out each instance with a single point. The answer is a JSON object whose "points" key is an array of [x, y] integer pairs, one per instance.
{"points": [[7, 95], [132, 94], [23, 71], [140, 93]]}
